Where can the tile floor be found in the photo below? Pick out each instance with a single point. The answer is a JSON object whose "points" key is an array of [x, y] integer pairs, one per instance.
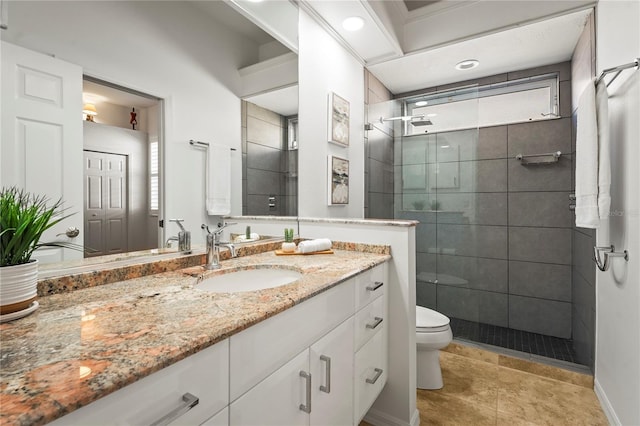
{"points": [[487, 388]]}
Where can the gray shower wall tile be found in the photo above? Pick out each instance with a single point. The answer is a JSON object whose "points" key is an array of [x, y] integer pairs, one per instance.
{"points": [[419, 203], [541, 280], [584, 299], [565, 99], [426, 238], [423, 217], [261, 182], [540, 316], [545, 209], [541, 136], [380, 177], [473, 240], [417, 149], [426, 266], [263, 157], [380, 206], [545, 245], [426, 295], [583, 342], [548, 177], [380, 146], [492, 143], [259, 205], [473, 305], [474, 272], [473, 176], [465, 141], [264, 133], [474, 209], [583, 256]]}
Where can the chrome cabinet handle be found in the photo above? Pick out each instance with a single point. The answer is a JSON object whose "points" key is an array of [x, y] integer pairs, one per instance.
{"points": [[376, 377], [375, 323], [376, 285], [189, 401], [327, 377], [306, 408]]}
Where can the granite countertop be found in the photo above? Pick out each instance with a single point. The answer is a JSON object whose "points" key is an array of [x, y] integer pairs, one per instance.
{"points": [[84, 344]]}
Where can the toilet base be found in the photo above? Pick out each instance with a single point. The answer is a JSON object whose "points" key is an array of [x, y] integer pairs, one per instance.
{"points": [[428, 366]]}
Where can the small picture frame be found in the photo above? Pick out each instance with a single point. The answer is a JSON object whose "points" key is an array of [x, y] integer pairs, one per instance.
{"points": [[338, 171], [338, 130]]}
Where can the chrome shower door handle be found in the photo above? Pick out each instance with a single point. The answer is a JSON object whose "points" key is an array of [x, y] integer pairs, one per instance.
{"points": [[306, 407], [327, 378]]}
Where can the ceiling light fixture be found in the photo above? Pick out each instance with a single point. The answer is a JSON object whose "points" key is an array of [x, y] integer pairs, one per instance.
{"points": [[467, 64], [353, 23], [421, 103], [90, 111]]}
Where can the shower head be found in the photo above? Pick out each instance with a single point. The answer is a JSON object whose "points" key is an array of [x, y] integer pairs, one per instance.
{"points": [[421, 122]]}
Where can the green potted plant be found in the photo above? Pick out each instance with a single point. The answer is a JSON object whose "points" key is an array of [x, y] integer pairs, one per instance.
{"points": [[288, 246], [24, 217]]}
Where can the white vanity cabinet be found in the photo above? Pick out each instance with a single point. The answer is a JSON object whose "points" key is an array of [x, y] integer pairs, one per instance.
{"points": [[170, 391]]}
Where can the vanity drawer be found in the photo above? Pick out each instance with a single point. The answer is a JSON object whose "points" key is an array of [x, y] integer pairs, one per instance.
{"points": [[370, 285], [204, 375], [369, 320], [370, 374]]}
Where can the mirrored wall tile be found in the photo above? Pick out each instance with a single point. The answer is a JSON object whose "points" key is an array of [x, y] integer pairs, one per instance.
{"points": [[546, 245], [263, 157], [492, 143], [545, 209], [541, 280], [473, 305], [541, 136], [548, 177], [473, 272], [426, 295], [548, 317], [474, 209], [473, 240]]}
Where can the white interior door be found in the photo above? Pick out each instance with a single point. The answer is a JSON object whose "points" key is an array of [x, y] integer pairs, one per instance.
{"points": [[42, 136]]}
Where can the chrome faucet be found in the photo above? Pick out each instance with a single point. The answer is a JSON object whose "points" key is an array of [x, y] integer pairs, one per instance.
{"points": [[183, 238], [213, 245]]}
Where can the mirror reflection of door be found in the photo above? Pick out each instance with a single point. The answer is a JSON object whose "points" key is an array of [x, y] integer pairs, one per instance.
{"points": [[121, 169], [105, 203]]}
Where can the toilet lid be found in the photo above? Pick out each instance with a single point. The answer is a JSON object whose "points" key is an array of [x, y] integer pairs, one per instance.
{"points": [[427, 319]]}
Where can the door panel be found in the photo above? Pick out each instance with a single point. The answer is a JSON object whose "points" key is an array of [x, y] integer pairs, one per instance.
{"points": [[42, 136]]}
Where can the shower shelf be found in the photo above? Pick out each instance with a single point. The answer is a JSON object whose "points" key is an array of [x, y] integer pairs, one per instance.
{"points": [[537, 159]]}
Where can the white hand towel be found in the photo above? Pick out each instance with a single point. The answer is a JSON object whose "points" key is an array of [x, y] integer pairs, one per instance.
{"points": [[218, 180], [587, 160], [311, 246], [604, 157]]}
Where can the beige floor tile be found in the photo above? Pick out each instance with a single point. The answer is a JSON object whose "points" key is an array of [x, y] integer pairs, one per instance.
{"points": [[470, 380], [505, 419], [474, 353], [549, 371], [440, 409], [546, 401]]}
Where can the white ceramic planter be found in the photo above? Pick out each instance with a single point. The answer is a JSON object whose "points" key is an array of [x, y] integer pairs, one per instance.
{"points": [[18, 286], [288, 247]]}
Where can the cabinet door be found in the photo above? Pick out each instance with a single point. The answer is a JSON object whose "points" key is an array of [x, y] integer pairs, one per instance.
{"points": [[370, 374], [276, 400], [331, 360]]}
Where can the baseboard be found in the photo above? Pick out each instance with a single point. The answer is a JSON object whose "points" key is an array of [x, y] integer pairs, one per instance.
{"points": [[378, 418], [606, 405]]}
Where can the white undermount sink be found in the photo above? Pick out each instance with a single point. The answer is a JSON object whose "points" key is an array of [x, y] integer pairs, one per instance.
{"points": [[248, 280]]}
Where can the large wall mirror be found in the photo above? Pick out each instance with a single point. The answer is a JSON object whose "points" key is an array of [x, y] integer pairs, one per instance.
{"points": [[264, 84]]}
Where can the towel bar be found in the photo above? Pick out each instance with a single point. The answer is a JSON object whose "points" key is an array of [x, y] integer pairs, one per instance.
{"points": [[203, 144], [609, 251]]}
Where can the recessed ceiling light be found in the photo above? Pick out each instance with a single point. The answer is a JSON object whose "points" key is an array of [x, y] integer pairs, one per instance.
{"points": [[353, 23], [467, 64], [421, 103]]}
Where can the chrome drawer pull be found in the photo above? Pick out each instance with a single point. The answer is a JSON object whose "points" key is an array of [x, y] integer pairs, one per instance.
{"points": [[327, 377], [376, 377], [375, 286], [307, 376], [189, 400], [375, 323]]}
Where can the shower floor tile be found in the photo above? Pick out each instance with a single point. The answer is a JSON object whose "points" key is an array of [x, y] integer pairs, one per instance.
{"points": [[523, 341]]}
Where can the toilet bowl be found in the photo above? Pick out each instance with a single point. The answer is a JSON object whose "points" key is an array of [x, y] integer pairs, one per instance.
{"points": [[432, 334]]}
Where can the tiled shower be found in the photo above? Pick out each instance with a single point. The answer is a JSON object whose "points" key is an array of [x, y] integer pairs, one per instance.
{"points": [[494, 242]]}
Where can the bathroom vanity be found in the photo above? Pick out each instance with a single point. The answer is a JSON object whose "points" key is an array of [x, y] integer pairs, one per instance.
{"points": [[144, 350]]}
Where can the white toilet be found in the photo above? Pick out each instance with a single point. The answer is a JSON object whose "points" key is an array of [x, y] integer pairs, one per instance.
{"points": [[432, 334]]}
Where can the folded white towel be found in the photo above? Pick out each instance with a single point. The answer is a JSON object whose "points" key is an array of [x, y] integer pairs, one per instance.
{"points": [[604, 156], [218, 180], [587, 160], [311, 246]]}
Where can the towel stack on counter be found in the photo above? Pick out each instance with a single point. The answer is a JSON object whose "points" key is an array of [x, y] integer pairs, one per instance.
{"points": [[312, 246]]}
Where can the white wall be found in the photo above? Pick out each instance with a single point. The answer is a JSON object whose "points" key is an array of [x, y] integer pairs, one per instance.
{"points": [[166, 49], [617, 370], [119, 116], [325, 66]]}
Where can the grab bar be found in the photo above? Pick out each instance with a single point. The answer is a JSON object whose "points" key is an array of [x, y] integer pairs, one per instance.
{"points": [[554, 157], [608, 251]]}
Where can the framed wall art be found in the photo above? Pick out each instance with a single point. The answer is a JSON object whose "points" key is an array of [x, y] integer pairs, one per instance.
{"points": [[338, 181], [338, 120]]}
